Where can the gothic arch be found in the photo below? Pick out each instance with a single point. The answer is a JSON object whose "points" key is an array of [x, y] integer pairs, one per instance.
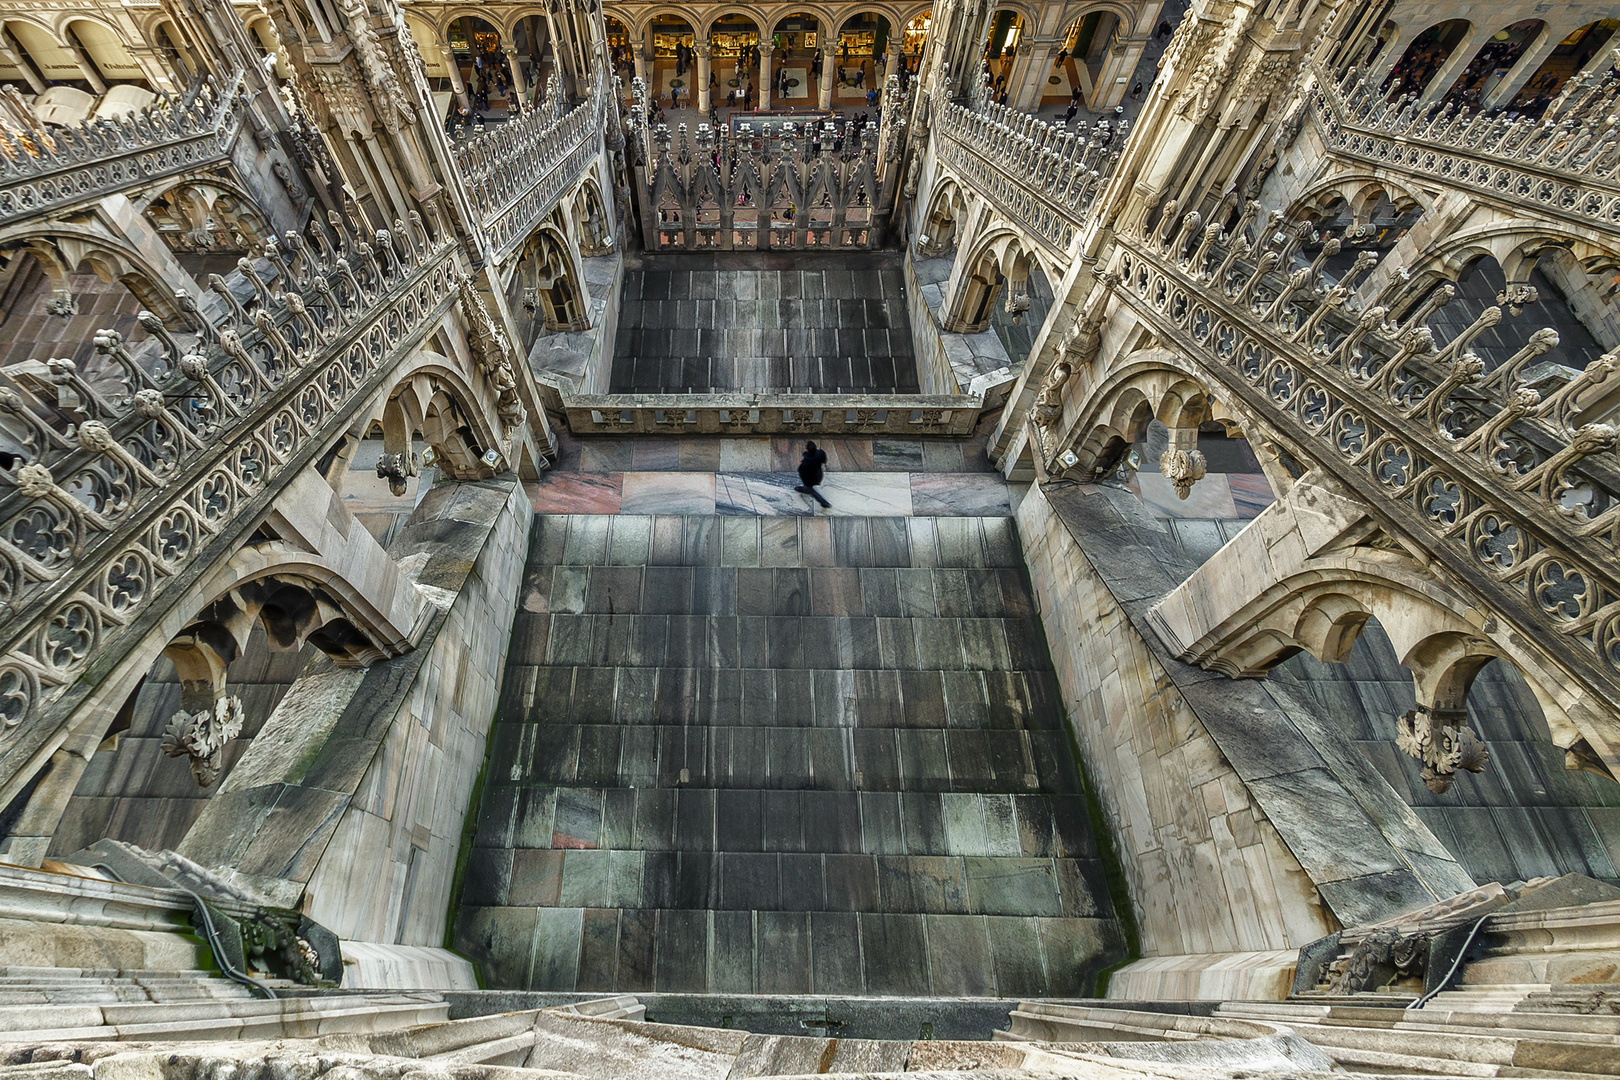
{"points": [[435, 401], [550, 272], [1516, 244], [943, 221], [1128, 17], [1001, 257], [1321, 605], [592, 223], [1148, 385], [62, 248]]}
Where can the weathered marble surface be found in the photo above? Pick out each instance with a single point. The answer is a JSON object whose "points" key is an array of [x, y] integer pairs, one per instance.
{"points": [[1247, 826], [781, 755], [354, 809], [779, 321]]}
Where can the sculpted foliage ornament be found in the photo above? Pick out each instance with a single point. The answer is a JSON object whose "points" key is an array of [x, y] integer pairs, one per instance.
{"points": [[202, 737], [1443, 748], [1183, 468]]}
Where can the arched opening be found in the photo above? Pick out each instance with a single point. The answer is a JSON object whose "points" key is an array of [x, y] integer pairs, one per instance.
{"points": [[207, 227], [1080, 61], [859, 66], [1019, 320], [1492, 63], [978, 293], [1000, 47], [39, 52], [531, 39], [673, 61], [106, 53], [1527, 814], [1538, 299], [733, 59], [1567, 59], [544, 293], [477, 47], [941, 225], [591, 223], [915, 35], [1427, 53], [136, 792], [172, 44], [262, 33], [619, 49], [798, 65]]}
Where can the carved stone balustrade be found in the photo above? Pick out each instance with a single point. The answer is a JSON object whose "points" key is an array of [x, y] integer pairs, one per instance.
{"points": [[115, 512], [1509, 492], [1038, 174], [50, 168], [516, 173], [772, 414], [1567, 164]]}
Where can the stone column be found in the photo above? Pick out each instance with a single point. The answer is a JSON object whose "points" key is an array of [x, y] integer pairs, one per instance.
{"points": [[1026, 94], [892, 68], [86, 67], [1519, 74], [447, 56], [764, 76], [829, 72], [639, 58], [520, 85], [701, 49], [12, 51], [1459, 59]]}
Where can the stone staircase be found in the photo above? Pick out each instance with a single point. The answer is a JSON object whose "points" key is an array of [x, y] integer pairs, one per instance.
{"points": [[782, 755], [1451, 1042], [1434, 1041], [56, 1004]]}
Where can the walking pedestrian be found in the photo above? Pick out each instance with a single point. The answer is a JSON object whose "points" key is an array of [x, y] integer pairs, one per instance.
{"points": [[810, 472]]}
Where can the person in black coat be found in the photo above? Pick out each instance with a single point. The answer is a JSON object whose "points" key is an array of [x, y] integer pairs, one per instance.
{"points": [[810, 472]]}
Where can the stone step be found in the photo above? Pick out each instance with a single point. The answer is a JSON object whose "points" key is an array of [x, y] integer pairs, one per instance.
{"points": [[801, 759], [810, 642], [843, 698], [1580, 1027], [667, 540], [736, 881], [248, 1019], [869, 823], [876, 592], [1599, 1056]]}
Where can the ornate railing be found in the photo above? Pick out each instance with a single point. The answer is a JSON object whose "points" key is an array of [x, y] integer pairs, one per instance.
{"points": [[129, 493], [771, 414], [49, 168], [1567, 163], [1041, 175], [516, 172], [1513, 492]]}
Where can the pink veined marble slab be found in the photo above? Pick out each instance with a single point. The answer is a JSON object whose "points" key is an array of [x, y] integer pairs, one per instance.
{"points": [[577, 493]]}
